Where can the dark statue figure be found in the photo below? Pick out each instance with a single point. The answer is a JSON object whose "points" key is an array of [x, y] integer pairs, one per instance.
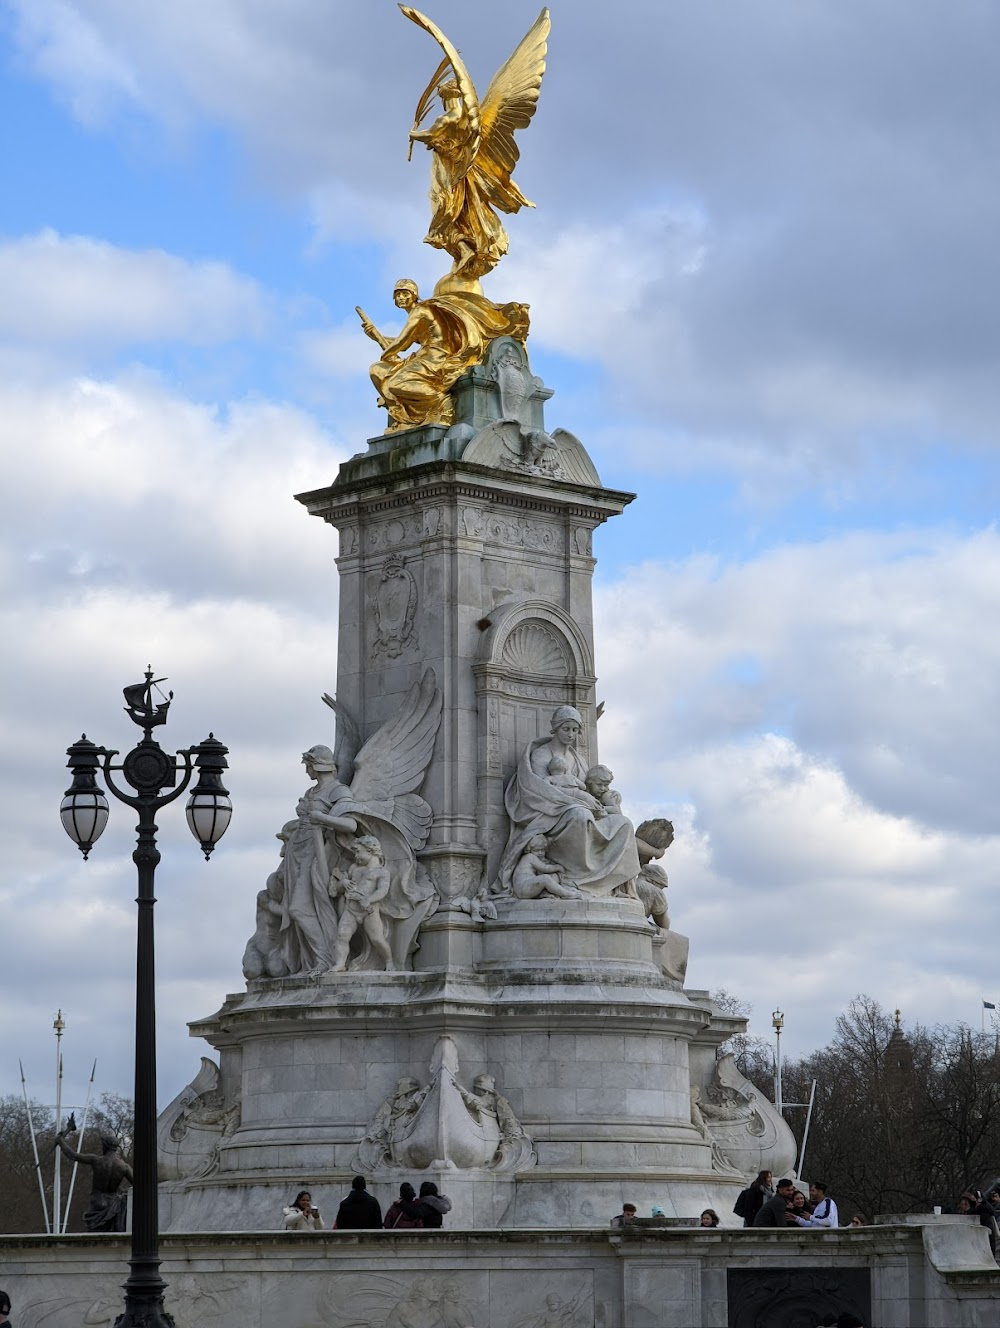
{"points": [[107, 1207]]}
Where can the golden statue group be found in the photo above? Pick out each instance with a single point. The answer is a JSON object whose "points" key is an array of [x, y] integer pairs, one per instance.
{"points": [[474, 153]]}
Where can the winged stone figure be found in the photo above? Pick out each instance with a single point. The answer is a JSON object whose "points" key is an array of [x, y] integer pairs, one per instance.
{"points": [[474, 148], [371, 792]]}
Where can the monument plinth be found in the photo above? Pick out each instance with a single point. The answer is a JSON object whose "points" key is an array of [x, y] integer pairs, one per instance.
{"points": [[463, 967]]}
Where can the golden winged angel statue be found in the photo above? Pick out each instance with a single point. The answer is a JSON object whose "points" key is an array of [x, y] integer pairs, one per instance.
{"points": [[474, 148], [474, 155]]}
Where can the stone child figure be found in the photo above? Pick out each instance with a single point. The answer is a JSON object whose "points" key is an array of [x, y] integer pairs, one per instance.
{"points": [[536, 875], [652, 839], [107, 1207], [597, 781], [362, 887], [263, 956]]}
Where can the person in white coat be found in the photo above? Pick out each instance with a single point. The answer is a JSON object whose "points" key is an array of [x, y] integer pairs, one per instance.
{"points": [[301, 1215]]}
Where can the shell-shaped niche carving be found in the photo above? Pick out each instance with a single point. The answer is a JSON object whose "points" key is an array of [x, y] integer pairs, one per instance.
{"points": [[532, 648]]}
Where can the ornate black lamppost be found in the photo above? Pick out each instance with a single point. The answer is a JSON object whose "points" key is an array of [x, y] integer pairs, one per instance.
{"points": [[84, 813]]}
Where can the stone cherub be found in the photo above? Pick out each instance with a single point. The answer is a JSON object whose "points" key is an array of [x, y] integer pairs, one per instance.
{"points": [[652, 839], [597, 781], [108, 1204], [536, 875], [361, 887]]}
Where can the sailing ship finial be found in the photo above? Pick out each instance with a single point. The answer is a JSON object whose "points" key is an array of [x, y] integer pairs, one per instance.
{"points": [[139, 704]]}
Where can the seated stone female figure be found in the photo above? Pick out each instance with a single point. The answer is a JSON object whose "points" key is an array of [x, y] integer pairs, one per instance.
{"points": [[594, 846]]}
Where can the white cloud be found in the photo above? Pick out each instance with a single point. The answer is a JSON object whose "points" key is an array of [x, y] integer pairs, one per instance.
{"points": [[876, 651], [73, 289]]}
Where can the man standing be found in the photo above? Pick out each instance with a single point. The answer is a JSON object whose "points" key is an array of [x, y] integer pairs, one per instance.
{"points": [[625, 1218], [774, 1213], [360, 1210], [824, 1213]]}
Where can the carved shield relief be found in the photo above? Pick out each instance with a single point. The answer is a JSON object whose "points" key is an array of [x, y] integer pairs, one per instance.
{"points": [[394, 606]]}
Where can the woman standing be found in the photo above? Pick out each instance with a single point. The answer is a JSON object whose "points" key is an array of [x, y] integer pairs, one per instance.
{"points": [[301, 1215], [759, 1192]]}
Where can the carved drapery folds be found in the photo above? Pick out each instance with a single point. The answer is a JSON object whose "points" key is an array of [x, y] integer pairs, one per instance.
{"points": [[441, 1124], [348, 892]]}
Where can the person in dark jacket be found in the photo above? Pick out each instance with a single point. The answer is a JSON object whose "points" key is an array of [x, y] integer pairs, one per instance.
{"points": [[755, 1196], [360, 1210], [988, 1212], [430, 1207], [395, 1217], [774, 1213]]}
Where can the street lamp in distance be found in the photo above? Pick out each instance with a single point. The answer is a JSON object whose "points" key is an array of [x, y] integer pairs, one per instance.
{"points": [[153, 775], [777, 1023]]}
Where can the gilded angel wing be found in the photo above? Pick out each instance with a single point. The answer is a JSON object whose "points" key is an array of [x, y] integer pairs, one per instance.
{"points": [[470, 137], [391, 765], [347, 742], [509, 104]]}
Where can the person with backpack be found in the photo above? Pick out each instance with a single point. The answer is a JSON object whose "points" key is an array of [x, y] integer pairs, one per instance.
{"points": [[394, 1216], [752, 1199]]}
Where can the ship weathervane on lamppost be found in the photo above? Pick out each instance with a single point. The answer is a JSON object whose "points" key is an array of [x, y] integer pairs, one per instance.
{"points": [[149, 771]]}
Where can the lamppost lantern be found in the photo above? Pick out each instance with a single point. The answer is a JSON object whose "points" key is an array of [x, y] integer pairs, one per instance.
{"points": [[209, 808], [156, 778], [84, 808], [777, 1021]]}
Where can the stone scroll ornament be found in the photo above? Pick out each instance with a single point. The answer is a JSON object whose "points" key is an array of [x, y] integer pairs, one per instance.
{"points": [[445, 1126], [750, 1131], [347, 892], [473, 155], [193, 1128]]}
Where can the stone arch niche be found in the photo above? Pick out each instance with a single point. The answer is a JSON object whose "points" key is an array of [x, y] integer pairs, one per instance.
{"points": [[533, 658]]}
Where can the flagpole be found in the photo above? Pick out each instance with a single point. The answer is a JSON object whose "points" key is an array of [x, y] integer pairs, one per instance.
{"points": [[34, 1149]]}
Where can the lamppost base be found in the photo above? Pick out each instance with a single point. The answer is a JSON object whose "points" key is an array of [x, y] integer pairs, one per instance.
{"points": [[145, 1311]]}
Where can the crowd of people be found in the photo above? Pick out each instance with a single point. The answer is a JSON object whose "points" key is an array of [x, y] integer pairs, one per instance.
{"points": [[763, 1204], [361, 1211]]}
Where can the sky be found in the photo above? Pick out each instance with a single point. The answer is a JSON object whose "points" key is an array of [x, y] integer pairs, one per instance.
{"points": [[763, 276]]}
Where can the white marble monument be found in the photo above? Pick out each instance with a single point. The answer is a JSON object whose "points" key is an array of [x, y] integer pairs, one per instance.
{"points": [[462, 968]]}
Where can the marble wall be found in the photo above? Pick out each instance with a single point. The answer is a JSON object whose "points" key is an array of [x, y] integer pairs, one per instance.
{"points": [[934, 1274]]}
